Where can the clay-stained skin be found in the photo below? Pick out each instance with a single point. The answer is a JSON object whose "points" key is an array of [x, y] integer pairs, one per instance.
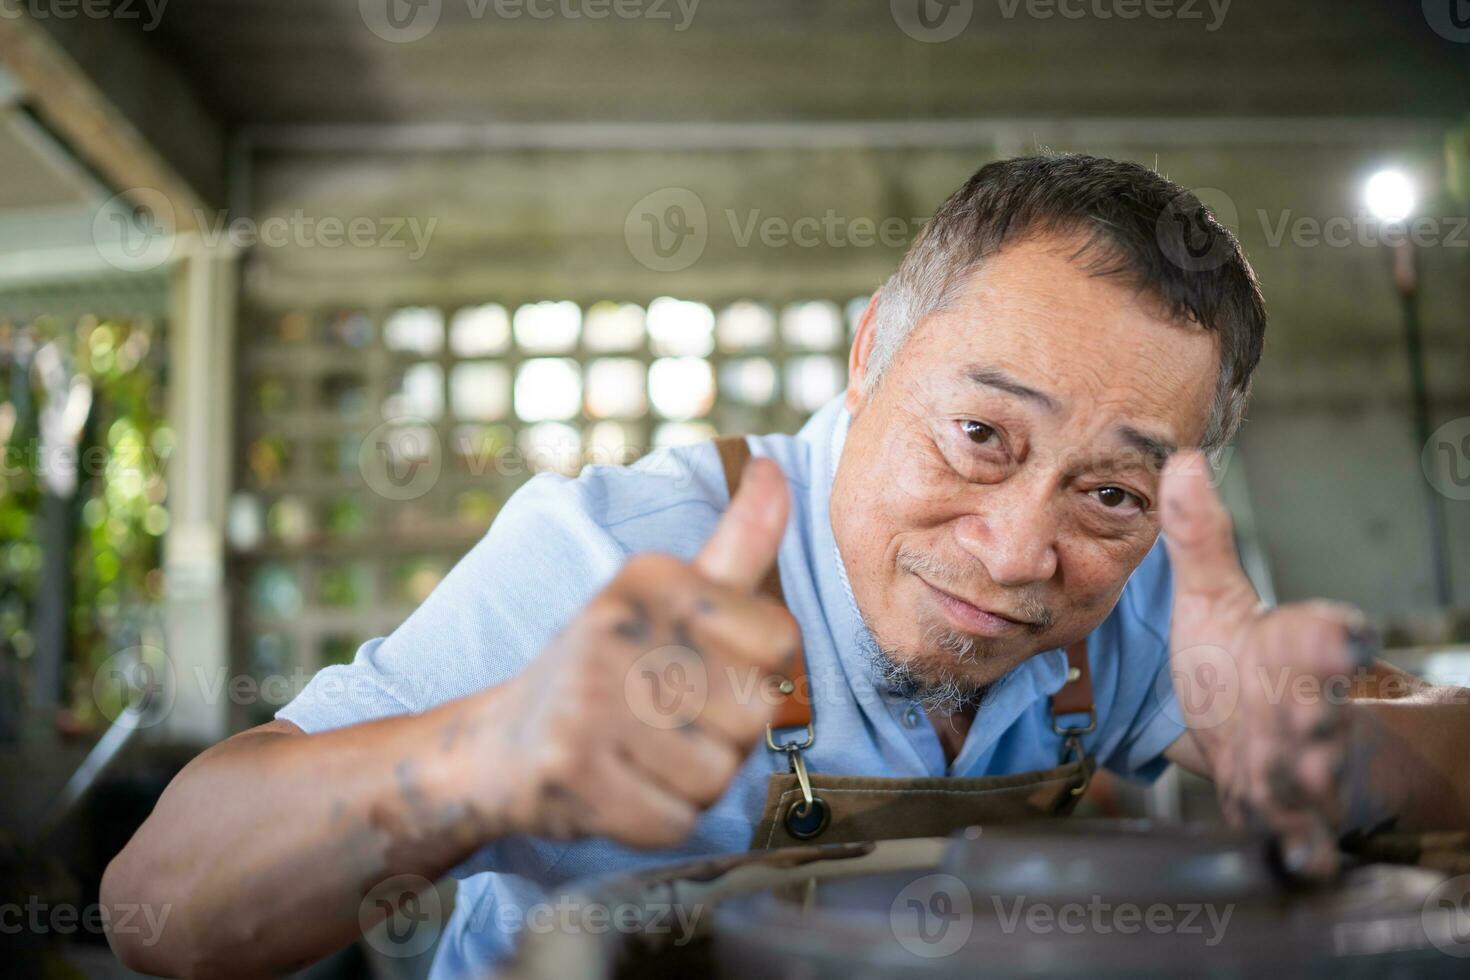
{"points": [[1036, 504]]}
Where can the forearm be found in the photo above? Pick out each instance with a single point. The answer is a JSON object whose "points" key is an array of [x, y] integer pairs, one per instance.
{"points": [[1413, 754], [261, 851], [1404, 760]]}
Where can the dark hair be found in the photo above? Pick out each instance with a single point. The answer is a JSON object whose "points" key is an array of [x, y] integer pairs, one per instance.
{"points": [[1136, 225]]}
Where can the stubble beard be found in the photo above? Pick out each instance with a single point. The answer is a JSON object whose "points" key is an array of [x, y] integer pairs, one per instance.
{"points": [[952, 670], [947, 678]]}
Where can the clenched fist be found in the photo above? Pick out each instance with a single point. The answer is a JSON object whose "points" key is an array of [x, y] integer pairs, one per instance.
{"points": [[639, 714]]}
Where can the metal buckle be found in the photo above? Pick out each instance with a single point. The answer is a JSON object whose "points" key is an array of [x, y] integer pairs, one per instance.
{"points": [[798, 766], [1072, 751], [1072, 745], [1073, 731], [793, 754], [811, 736]]}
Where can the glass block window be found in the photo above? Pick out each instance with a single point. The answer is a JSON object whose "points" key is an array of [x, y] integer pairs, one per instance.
{"points": [[418, 330], [479, 331], [377, 445]]}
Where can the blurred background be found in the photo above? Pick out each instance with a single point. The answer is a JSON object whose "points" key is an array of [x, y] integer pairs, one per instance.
{"points": [[294, 294]]}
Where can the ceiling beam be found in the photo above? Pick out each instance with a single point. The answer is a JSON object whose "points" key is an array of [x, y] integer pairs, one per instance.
{"points": [[123, 111], [1014, 134]]}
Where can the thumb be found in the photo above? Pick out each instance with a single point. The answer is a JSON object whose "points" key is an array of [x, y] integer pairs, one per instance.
{"points": [[744, 544], [1198, 532]]}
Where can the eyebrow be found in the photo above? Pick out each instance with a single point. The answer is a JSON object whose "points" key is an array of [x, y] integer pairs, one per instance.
{"points": [[1157, 448], [998, 379]]}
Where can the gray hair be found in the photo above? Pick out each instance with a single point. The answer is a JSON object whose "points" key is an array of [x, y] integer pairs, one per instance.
{"points": [[1136, 225]]}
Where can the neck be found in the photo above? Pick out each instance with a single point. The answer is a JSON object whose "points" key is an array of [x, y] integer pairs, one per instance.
{"points": [[952, 727]]}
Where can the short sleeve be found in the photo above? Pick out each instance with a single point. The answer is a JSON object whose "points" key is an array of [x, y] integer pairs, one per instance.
{"points": [[541, 561], [1141, 754], [1145, 688]]}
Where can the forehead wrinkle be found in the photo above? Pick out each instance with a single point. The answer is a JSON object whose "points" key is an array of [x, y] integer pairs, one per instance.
{"points": [[1091, 339]]}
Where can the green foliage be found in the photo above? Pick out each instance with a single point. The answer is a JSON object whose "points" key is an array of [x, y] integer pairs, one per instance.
{"points": [[120, 507]]}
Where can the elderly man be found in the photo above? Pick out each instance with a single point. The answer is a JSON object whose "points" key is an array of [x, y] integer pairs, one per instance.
{"points": [[941, 603]]}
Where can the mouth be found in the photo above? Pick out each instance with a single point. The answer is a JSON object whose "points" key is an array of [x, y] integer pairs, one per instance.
{"points": [[970, 618]]}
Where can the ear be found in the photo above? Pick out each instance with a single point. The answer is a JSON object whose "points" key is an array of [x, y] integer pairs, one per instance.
{"points": [[862, 349]]}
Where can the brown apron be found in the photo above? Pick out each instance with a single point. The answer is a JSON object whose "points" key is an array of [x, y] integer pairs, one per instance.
{"points": [[804, 807]]}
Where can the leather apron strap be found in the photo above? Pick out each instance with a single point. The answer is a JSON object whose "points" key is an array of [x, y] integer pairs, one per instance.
{"points": [[794, 709]]}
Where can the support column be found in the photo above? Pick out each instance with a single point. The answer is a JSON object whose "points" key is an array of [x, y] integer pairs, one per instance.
{"points": [[201, 412]]}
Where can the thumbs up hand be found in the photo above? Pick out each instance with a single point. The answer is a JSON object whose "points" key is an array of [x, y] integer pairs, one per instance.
{"points": [[642, 711], [1262, 691]]}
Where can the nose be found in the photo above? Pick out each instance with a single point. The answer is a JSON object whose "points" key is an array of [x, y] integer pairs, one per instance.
{"points": [[1013, 534]]}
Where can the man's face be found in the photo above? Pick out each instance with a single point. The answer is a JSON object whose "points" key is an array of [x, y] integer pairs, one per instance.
{"points": [[1000, 483]]}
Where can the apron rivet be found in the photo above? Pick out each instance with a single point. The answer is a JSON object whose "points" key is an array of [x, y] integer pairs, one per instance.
{"points": [[787, 686], [806, 821], [1074, 674]]}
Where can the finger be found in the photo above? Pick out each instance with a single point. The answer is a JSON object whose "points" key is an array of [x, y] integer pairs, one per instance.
{"points": [[628, 807], [1298, 817], [1311, 638], [698, 685], [742, 701], [755, 629], [744, 544], [688, 763], [1309, 848], [1198, 532]]}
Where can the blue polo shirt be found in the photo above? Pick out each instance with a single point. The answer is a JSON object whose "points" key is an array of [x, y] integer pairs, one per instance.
{"points": [[558, 541]]}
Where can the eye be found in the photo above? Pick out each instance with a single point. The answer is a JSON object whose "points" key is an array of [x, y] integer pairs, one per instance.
{"points": [[1115, 497], [978, 432]]}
